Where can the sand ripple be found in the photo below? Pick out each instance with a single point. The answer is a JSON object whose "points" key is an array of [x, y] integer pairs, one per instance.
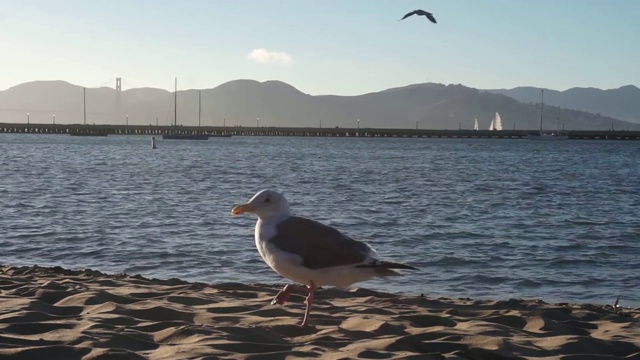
{"points": [[53, 313]]}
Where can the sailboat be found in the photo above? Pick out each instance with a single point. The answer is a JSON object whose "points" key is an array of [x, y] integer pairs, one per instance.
{"points": [[496, 123], [475, 125], [554, 136], [84, 132], [175, 121]]}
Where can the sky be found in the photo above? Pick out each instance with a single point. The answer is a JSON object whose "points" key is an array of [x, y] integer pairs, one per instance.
{"points": [[341, 47]]}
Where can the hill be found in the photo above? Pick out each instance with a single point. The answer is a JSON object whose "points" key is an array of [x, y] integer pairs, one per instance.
{"points": [[622, 103], [242, 102]]}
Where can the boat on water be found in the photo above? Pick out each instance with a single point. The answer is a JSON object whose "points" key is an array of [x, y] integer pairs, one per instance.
{"points": [[86, 131], [475, 125], [547, 136], [186, 136], [496, 122], [204, 136]]}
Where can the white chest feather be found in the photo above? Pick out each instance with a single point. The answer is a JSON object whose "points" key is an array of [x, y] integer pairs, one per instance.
{"points": [[266, 230]]}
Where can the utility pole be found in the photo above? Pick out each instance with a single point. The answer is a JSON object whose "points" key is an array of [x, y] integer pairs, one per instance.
{"points": [[118, 104], [84, 105]]}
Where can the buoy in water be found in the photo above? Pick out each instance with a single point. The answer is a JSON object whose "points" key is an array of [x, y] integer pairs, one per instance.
{"points": [[153, 142]]}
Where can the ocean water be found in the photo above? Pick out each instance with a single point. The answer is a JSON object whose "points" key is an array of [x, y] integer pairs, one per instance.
{"points": [[481, 218]]}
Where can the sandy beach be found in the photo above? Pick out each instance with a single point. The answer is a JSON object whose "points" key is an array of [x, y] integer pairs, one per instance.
{"points": [[53, 313]]}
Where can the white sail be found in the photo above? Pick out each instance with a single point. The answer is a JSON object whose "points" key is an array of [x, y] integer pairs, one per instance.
{"points": [[475, 125], [497, 122], [491, 126]]}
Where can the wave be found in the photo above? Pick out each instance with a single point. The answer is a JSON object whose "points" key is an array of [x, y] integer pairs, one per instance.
{"points": [[456, 261]]}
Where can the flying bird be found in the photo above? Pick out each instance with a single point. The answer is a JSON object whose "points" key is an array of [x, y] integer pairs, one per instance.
{"points": [[308, 252], [422, 13]]}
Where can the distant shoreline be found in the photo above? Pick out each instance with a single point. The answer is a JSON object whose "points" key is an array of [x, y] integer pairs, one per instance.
{"points": [[152, 130]]}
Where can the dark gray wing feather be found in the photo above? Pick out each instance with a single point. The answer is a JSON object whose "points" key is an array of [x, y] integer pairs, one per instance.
{"points": [[318, 245], [409, 14]]}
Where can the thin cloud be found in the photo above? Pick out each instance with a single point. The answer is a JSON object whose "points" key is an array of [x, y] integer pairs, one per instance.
{"points": [[262, 56]]}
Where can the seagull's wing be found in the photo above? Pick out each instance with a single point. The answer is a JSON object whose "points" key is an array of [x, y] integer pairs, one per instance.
{"points": [[319, 246], [409, 14], [430, 17]]}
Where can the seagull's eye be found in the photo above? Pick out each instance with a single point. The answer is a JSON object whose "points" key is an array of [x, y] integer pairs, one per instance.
{"points": [[267, 200]]}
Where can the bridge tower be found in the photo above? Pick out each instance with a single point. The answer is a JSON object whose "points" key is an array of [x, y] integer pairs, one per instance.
{"points": [[117, 116]]}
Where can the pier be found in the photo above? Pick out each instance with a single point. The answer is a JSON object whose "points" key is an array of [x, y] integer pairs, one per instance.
{"points": [[152, 130]]}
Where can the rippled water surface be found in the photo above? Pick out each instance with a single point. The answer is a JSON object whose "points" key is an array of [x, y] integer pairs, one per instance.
{"points": [[480, 218]]}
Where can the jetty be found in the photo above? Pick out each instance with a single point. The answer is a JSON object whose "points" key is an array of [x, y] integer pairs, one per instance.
{"points": [[152, 130]]}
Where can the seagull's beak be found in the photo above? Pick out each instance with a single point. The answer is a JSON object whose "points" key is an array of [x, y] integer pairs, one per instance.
{"points": [[241, 209]]}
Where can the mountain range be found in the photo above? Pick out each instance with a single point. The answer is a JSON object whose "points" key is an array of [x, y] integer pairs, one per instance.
{"points": [[275, 103], [622, 103]]}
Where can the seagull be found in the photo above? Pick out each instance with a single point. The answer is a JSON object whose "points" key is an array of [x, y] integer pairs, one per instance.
{"points": [[421, 12], [308, 252]]}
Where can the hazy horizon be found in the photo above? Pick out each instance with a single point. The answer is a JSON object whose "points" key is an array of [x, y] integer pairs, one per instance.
{"points": [[331, 47], [111, 84], [432, 106]]}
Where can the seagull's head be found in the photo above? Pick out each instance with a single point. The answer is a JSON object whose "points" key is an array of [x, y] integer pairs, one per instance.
{"points": [[265, 204]]}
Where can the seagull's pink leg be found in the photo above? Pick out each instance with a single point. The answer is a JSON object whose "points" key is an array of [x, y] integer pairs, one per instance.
{"points": [[312, 290], [282, 296]]}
